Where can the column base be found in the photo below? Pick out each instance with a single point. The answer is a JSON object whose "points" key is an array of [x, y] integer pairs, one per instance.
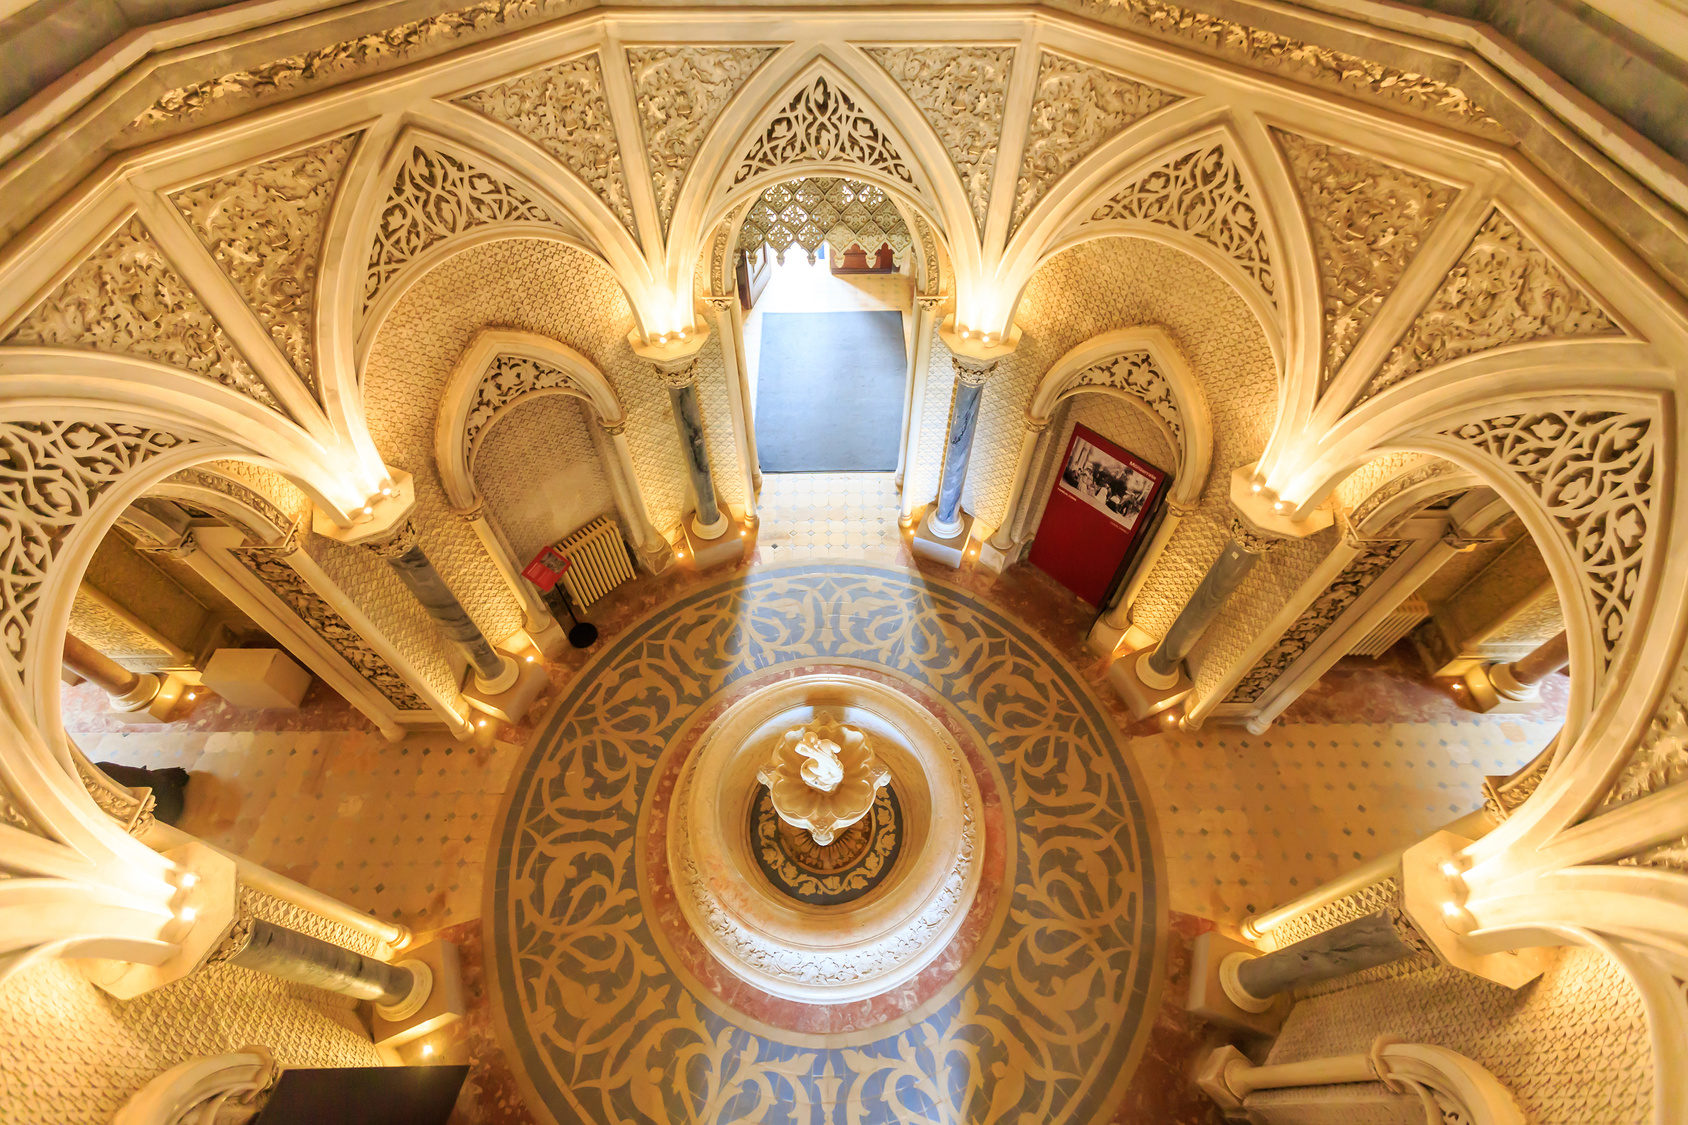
{"points": [[550, 639], [1207, 989], [511, 704], [1486, 692], [930, 543], [157, 709], [1142, 698], [996, 559], [700, 530], [700, 553], [443, 1006]]}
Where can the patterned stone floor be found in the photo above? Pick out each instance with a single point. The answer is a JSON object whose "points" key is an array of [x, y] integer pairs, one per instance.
{"points": [[808, 516]]}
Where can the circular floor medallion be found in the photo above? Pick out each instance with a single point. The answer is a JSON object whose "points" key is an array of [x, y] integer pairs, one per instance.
{"points": [[1046, 991], [827, 874]]}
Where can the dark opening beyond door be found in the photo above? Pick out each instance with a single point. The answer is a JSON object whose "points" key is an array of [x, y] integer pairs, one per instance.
{"points": [[829, 392], [1103, 500]]}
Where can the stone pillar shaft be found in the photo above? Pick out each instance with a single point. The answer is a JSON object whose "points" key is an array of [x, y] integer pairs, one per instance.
{"points": [[1364, 943], [688, 421], [414, 569], [92, 664], [302, 959], [1548, 658], [926, 312], [958, 449], [1217, 586]]}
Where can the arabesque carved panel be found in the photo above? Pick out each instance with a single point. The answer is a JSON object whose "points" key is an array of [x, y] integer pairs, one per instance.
{"points": [[823, 209], [507, 379], [562, 109], [1136, 374], [1076, 108], [1593, 472], [680, 92], [1367, 219], [434, 196], [960, 91], [1202, 193], [822, 123], [51, 476], [264, 226], [127, 298], [1503, 290]]}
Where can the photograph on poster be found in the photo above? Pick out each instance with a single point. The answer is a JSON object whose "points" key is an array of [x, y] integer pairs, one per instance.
{"points": [[1106, 483]]}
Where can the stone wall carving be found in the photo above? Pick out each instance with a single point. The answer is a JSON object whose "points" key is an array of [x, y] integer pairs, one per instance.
{"points": [[269, 566], [1135, 373], [1420, 474], [1374, 559], [1503, 290], [434, 196], [264, 226], [1660, 759], [823, 209], [1202, 193], [562, 109], [507, 379], [680, 92], [216, 482], [1593, 471], [117, 637], [51, 476], [1367, 219], [822, 123], [1076, 108], [934, 280], [378, 50], [127, 298], [960, 91], [1305, 62]]}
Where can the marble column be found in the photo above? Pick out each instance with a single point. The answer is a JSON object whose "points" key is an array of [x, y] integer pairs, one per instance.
{"points": [[541, 627], [1363, 943], [1003, 539], [710, 522], [970, 378], [727, 330], [265, 947], [494, 672], [920, 357], [1159, 668], [129, 691], [648, 542], [1516, 687]]}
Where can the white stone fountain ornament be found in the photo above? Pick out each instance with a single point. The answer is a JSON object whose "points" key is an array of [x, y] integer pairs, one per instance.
{"points": [[823, 777]]}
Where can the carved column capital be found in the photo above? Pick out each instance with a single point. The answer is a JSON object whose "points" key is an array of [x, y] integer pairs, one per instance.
{"points": [[400, 543], [1183, 509], [474, 511], [721, 303], [180, 549], [931, 304], [972, 372], [1252, 539], [613, 429], [680, 377], [1035, 424]]}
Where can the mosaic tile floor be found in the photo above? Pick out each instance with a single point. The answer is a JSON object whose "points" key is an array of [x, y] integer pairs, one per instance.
{"points": [[811, 516]]}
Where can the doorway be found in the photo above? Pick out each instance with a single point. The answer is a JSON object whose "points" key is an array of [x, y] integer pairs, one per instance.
{"points": [[1102, 502]]}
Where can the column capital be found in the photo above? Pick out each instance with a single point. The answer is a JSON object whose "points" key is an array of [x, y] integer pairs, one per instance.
{"points": [[1035, 424], [1253, 539], [721, 303], [613, 429], [680, 377], [976, 347], [668, 350], [474, 511], [384, 513], [931, 303], [1183, 509], [1267, 514], [401, 542], [970, 372]]}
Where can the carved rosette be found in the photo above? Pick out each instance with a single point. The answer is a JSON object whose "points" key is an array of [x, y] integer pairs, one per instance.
{"points": [[823, 777]]}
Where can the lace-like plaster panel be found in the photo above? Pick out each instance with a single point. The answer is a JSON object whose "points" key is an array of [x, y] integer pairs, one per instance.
{"points": [[1573, 1046], [1368, 220], [127, 298], [287, 497], [264, 226], [562, 109], [1504, 290], [99, 627], [556, 292], [1077, 106], [73, 1055], [680, 93], [1097, 287], [540, 473], [822, 123]]}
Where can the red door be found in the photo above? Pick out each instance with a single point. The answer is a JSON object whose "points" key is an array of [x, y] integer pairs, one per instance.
{"points": [[1102, 502]]}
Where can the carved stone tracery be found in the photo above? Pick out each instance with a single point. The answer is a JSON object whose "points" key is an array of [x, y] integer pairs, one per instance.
{"points": [[960, 91], [264, 225], [51, 477], [1202, 193], [680, 92], [822, 123], [563, 110], [823, 209], [1077, 107], [1503, 290], [434, 196], [507, 379], [1593, 472], [127, 298], [1368, 219], [1135, 374]]}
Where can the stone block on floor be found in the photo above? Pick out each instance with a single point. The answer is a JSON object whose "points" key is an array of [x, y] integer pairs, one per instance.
{"points": [[257, 677]]}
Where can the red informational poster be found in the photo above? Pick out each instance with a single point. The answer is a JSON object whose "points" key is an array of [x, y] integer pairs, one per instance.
{"points": [[1103, 500], [546, 568]]}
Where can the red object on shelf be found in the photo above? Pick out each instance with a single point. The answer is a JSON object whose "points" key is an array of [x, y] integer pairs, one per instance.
{"points": [[1103, 500], [546, 568]]}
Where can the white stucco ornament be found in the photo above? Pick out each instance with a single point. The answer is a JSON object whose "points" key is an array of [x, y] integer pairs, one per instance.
{"points": [[823, 777]]}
